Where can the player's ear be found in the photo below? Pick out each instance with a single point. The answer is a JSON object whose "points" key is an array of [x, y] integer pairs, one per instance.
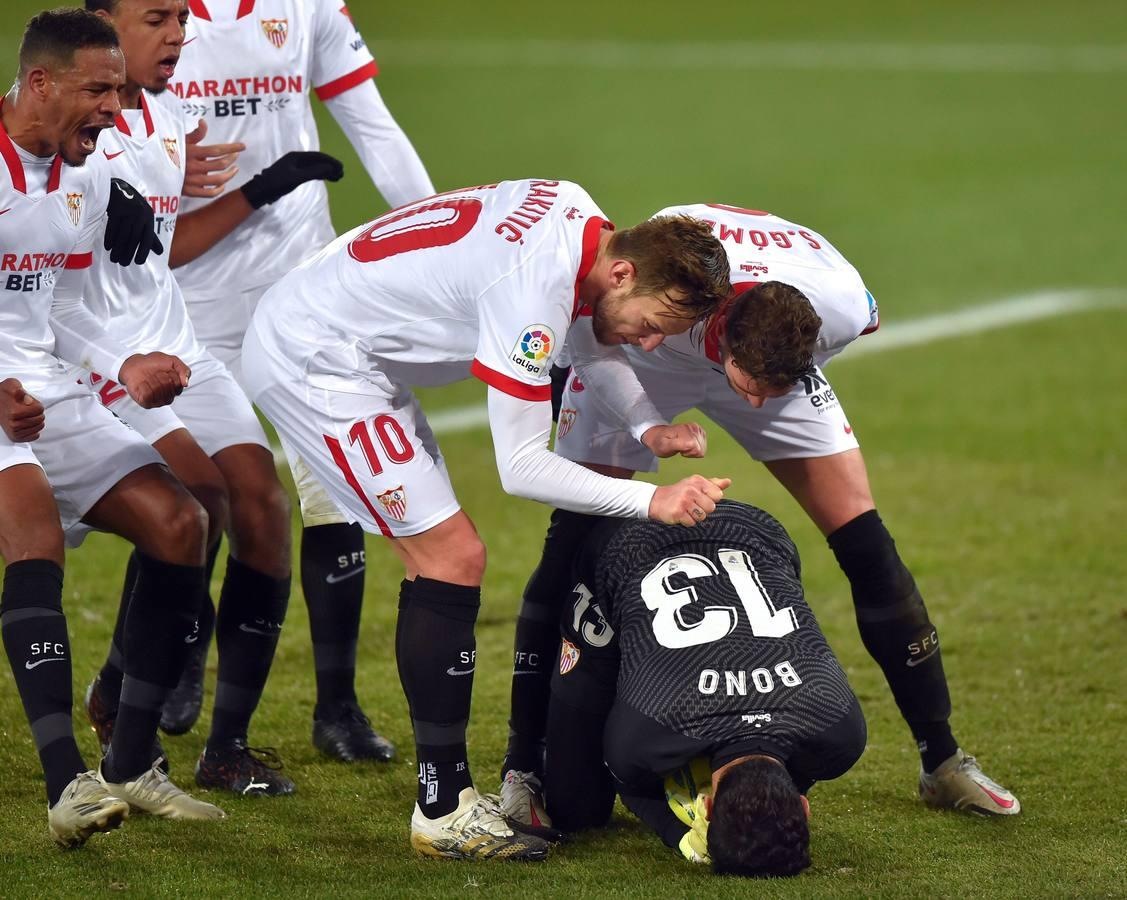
{"points": [[622, 271], [806, 806], [708, 806]]}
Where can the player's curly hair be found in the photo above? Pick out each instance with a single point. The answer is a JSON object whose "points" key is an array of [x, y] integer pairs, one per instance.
{"points": [[758, 825], [676, 253], [53, 37], [771, 332]]}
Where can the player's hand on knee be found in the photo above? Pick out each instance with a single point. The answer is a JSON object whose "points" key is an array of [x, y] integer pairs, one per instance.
{"points": [[688, 440], [689, 501], [291, 171], [21, 415], [154, 379], [130, 225], [209, 167]]}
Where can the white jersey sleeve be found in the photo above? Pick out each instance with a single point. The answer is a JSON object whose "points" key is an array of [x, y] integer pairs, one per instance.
{"points": [[528, 469], [79, 337], [341, 59]]}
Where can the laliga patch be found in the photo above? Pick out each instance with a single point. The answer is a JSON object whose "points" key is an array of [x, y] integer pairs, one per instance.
{"points": [[566, 420], [394, 503], [569, 657], [533, 349]]}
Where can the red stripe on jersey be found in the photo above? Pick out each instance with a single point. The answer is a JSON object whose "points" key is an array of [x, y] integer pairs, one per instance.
{"points": [[123, 126], [341, 460], [714, 325], [510, 386], [590, 244], [246, 7], [347, 82], [79, 261], [197, 9], [56, 175], [8, 151]]}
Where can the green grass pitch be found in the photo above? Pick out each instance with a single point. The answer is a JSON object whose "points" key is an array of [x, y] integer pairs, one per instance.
{"points": [[957, 153]]}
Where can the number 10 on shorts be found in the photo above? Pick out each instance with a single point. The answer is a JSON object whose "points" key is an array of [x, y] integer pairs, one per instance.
{"points": [[394, 447]]}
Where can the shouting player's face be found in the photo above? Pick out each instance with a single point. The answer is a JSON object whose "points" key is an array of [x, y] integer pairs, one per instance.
{"points": [[82, 101], [151, 34]]}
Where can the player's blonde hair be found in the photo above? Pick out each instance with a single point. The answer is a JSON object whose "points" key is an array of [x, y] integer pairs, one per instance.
{"points": [[676, 253]]}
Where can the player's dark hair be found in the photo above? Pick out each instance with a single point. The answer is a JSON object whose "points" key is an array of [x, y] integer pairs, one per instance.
{"points": [[771, 332], [676, 253], [53, 37], [758, 825], [108, 6]]}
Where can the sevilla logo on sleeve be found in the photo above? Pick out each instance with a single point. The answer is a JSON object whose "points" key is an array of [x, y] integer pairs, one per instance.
{"points": [[276, 31], [172, 148], [74, 207], [569, 656], [566, 420], [394, 502]]}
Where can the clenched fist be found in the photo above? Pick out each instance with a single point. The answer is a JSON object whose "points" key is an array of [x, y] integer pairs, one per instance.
{"points": [[669, 440], [689, 501], [154, 379], [21, 415]]}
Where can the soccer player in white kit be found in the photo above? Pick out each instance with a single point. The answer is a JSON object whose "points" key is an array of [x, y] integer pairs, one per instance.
{"points": [[755, 368], [248, 68], [211, 438], [52, 211], [486, 282]]}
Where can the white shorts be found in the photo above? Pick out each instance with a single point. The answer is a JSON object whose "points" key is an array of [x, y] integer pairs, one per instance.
{"points": [[365, 442], [806, 423], [213, 408], [221, 322], [84, 451]]}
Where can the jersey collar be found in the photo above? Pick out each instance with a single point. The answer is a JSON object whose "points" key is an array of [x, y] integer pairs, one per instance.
{"points": [[123, 126], [199, 9], [715, 324], [15, 164]]}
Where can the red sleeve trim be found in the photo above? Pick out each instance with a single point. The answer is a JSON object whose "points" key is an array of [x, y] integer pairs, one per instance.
{"points": [[79, 261], [347, 82], [590, 249], [510, 386]]}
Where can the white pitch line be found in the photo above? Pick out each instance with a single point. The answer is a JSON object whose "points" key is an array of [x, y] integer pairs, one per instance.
{"points": [[753, 55], [894, 336]]}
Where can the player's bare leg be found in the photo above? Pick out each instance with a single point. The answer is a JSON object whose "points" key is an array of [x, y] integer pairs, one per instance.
{"points": [[436, 654], [35, 638], [195, 470], [252, 607], [154, 512], [893, 621]]}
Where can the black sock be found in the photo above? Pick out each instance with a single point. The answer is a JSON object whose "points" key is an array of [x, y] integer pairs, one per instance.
{"points": [[162, 616], [109, 679], [332, 566], [436, 652], [538, 641], [252, 607], [896, 631], [35, 638]]}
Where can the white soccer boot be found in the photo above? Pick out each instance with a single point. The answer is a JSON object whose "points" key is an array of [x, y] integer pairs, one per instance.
{"points": [[475, 830], [958, 783], [153, 793], [84, 808]]}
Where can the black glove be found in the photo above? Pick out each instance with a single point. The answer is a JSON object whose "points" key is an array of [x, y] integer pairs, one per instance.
{"points": [[289, 172], [129, 225]]}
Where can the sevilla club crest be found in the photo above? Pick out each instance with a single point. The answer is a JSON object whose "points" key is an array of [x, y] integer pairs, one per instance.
{"points": [[276, 31], [172, 148], [566, 420], [74, 207], [394, 503], [569, 656]]}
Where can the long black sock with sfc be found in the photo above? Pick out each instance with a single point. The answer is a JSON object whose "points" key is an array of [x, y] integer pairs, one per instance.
{"points": [[35, 638], [332, 578], [437, 653]]}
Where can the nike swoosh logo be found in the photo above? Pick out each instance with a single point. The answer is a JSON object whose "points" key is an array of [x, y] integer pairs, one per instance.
{"points": [[1001, 801], [453, 671], [126, 194], [109, 155], [915, 662], [528, 672], [334, 578], [187, 42], [191, 639], [255, 785], [2, 211], [250, 629], [31, 665]]}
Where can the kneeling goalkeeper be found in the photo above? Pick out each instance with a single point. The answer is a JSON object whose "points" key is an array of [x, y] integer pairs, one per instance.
{"points": [[697, 644]]}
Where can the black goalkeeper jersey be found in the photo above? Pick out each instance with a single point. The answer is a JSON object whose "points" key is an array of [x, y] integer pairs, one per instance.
{"points": [[715, 639]]}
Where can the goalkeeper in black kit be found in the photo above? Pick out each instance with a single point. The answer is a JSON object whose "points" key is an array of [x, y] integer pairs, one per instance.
{"points": [[691, 664]]}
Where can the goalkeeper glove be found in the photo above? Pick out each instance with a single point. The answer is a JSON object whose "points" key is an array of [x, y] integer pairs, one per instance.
{"points": [[694, 844]]}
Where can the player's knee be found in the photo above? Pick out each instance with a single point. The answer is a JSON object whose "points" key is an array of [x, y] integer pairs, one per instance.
{"points": [[467, 561], [867, 555], [212, 496], [179, 534]]}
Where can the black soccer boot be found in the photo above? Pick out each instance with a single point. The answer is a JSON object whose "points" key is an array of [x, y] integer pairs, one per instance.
{"points": [[249, 771], [342, 731]]}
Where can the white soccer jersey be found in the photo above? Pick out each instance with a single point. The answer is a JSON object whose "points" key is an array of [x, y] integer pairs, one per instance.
{"points": [[480, 281], [142, 305], [51, 215], [763, 247], [247, 68]]}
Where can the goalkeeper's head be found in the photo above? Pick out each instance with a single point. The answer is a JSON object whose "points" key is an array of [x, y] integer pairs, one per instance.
{"points": [[758, 824]]}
